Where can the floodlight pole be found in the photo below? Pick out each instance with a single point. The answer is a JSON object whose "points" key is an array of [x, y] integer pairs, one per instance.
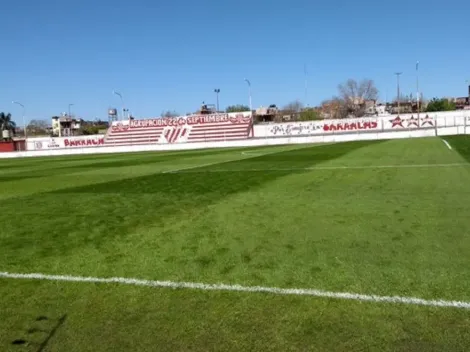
{"points": [[24, 112], [217, 91], [249, 93], [417, 87], [398, 91], [122, 101]]}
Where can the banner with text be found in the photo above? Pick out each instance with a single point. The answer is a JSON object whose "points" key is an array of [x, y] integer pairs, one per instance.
{"points": [[44, 143], [316, 127]]}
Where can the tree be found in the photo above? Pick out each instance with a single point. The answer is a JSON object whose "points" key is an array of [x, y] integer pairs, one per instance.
{"points": [[309, 115], [93, 127], [440, 105], [6, 123], [37, 127], [169, 113], [90, 130], [293, 107], [354, 95], [237, 108], [405, 98], [334, 108]]}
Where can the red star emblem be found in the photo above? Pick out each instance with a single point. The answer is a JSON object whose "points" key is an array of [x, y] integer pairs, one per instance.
{"points": [[412, 121], [427, 120], [397, 121]]}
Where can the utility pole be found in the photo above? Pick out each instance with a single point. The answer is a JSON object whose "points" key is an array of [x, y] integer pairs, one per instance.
{"points": [[69, 116], [217, 91], [398, 91], [122, 102], [417, 86], [305, 77], [249, 94], [468, 87], [24, 123]]}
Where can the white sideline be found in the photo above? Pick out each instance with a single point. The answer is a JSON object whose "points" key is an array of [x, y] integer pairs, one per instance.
{"points": [[239, 288], [447, 144], [313, 168]]}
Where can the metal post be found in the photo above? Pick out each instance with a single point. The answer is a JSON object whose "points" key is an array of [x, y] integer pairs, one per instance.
{"points": [[122, 102], [468, 87], [249, 94], [217, 91], [398, 92], [70, 116], [24, 112], [417, 87], [305, 77]]}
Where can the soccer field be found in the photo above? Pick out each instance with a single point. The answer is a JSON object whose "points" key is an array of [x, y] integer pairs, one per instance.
{"points": [[286, 248]]}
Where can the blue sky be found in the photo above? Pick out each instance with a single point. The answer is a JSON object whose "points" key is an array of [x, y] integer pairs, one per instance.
{"points": [[170, 55]]}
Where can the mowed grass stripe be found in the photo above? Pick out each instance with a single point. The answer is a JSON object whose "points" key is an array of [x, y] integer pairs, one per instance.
{"points": [[195, 227], [400, 232], [53, 175], [314, 168]]}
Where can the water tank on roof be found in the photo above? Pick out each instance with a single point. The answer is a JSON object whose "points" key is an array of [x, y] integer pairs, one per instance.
{"points": [[6, 134], [112, 112]]}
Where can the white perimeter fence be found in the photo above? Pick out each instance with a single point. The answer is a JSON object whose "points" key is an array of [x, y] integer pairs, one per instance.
{"points": [[326, 131]]}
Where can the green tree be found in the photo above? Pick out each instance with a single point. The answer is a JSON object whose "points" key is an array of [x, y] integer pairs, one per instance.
{"points": [[93, 127], [309, 115], [440, 105], [237, 108], [6, 123], [90, 129]]}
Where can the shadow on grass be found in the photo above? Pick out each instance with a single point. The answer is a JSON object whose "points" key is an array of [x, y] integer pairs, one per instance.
{"points": [[61, 221], [92, 163], [219, 185], [295, 160], [461, 144]]}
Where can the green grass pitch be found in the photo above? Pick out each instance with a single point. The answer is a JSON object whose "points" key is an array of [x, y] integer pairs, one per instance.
{"points": [[309, 216]]}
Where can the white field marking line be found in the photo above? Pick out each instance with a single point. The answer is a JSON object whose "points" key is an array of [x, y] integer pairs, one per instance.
{"points": [[239, 288], [397, 166], [255, 153], [214, 163], [447, 144], [189, 168]]}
